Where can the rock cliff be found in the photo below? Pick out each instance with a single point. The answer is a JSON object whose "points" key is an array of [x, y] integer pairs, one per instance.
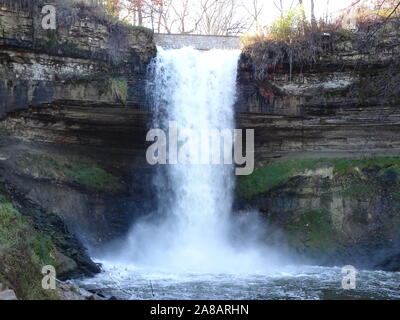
{"points": [[327, 147], [74, 120], [72, 102]]}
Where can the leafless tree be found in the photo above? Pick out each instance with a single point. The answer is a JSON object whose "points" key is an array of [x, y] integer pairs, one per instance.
{"points": [[222, 17], [254, 11], [313, 19], [279, 6]]}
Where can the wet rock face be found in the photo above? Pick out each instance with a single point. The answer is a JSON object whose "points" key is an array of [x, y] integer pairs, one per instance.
{"points": [[73, 127], [333, 211], [7, 294], [345, 102], [311, 120], [72, 62]]}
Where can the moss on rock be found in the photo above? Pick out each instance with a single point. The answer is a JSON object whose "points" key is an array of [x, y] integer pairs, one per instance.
{"points": [[71, 169], [120, 88], [312, 230], [23, 253], [268, 177]]}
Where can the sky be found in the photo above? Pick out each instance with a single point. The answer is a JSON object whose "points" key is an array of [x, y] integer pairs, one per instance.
{"points": [[270, 12]]}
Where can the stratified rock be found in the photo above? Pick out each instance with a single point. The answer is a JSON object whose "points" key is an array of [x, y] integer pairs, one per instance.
{"points": [[73, 135]]}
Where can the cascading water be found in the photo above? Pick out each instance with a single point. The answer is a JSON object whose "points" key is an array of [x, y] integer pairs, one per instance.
{"points": [[191, 230], [197, 90], [193, 246]]}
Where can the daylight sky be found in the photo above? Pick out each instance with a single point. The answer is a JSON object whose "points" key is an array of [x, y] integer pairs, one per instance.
{"points": [[270, 12]]}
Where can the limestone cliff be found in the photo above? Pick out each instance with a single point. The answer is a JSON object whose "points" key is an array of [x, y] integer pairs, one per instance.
{"points": [[327, 146], [73, 123]]}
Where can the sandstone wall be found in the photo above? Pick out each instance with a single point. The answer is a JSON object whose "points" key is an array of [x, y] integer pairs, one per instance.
{"points": [[327, 144], [73, 122], [335, 107], [77, 61]]}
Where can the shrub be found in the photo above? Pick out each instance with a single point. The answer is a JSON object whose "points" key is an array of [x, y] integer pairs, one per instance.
{"points": [[287, 27]]}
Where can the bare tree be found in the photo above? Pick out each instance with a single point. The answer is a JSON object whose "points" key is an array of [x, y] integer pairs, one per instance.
{"points": [[221, 18], [313, 19], [327, 11], [255, 11], [279, 6]]}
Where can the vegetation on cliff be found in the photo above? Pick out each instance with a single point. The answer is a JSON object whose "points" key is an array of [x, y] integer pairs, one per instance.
{"points": [[118, 34], [332, 209], [312, 230], [268, 177], [23, 253], [75, 170], [293, 43]]}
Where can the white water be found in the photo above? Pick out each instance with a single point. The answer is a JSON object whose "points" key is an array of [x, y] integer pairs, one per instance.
{"points": [[193, 230], [193, 247]]}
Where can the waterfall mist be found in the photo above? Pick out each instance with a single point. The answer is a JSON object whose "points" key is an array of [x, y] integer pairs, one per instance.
{"points": [[194, 229], [195, 245]]}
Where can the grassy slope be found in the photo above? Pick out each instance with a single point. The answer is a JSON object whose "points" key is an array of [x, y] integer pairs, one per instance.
{"points": [[23, 253], [268, 177], [82, 172], [313, 229]]}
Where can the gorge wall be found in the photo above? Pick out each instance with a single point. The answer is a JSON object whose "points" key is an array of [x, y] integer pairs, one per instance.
{"points": [[74, 121], [327, 148]]}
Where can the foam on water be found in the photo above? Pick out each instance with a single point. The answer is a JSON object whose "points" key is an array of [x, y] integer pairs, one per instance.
{"points": [[192, 247], [192, 228]]}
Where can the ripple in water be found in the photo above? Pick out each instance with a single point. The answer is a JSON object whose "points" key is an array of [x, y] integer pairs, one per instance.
{"points": [[300, 283], [185, 250]]}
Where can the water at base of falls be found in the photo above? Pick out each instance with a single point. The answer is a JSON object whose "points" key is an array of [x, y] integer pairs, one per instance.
{"points": [[193, 229], [301, 283], [195, 248]]}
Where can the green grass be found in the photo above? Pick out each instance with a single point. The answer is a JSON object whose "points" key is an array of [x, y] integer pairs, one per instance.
{"points": [[94, 178], [23, 252], [76, 170], [396, 195], [266, 178], [357, 190], [346, 166], [120, 87]]}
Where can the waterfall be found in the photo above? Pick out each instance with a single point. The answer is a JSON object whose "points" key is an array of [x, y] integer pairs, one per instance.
{"points": [[193, 229], [194, 245], [197, 90]]}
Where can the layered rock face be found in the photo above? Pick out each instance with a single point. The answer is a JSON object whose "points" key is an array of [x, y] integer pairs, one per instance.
{"points": [[74, 119], [337, 105], [314, 127]]}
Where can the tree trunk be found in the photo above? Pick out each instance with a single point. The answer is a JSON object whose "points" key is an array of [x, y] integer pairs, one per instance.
{"points": [[140, 14], [313, 20], [303, 14]]}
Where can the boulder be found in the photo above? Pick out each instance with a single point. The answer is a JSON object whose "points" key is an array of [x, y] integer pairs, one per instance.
{"points": [[7, 294]]}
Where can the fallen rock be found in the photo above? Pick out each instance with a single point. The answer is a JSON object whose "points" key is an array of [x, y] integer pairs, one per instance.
{"points": [[7, 294], [68, 291]]}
